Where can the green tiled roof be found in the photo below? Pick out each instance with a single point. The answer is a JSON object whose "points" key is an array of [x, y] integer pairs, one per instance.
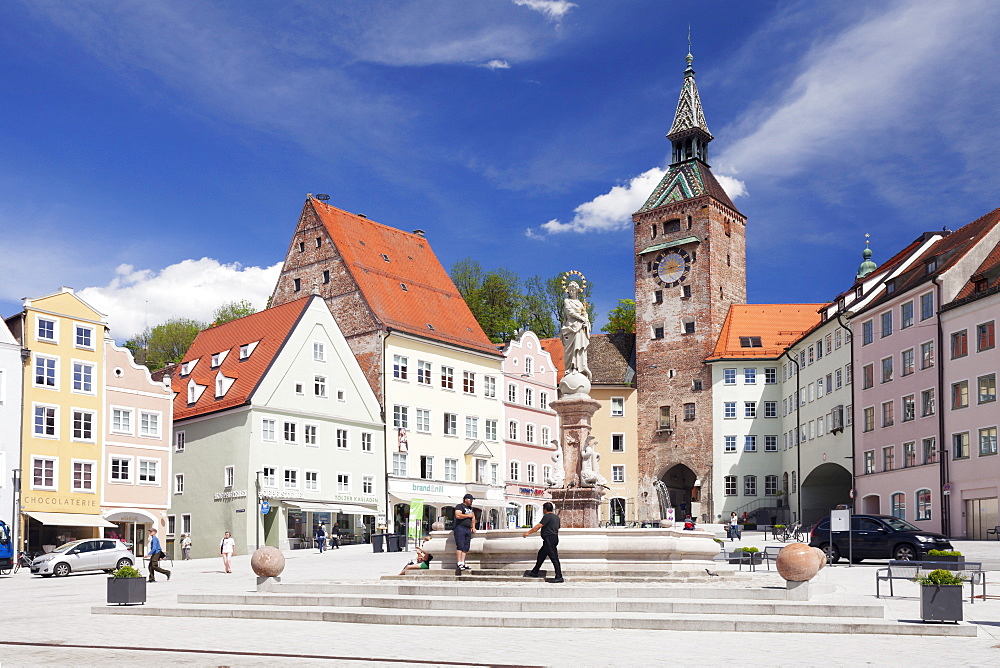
{"points": [[670, 244]]}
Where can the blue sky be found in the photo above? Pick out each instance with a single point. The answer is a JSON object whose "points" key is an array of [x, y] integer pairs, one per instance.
{"points": [[155, 156]]}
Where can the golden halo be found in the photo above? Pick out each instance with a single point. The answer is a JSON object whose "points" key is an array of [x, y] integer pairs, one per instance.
{"points": [[583, 283]]}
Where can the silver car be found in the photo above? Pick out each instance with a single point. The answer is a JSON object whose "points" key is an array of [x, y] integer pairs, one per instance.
{"points": [[92, 554]]}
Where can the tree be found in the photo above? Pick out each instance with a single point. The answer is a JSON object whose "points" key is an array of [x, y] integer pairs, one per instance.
{"points": [[622, 317], [232, 310], [536, 314], [164, 344]]}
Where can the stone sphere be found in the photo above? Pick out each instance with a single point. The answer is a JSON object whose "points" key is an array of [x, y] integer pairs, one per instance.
{"points": [[437, 526], [820, 557], [267, 562], [574, 383], [797, 563], [666, 524]]}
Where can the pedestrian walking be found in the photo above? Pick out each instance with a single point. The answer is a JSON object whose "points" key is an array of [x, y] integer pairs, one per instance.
{"points": [[228, 550], [734, 527], [186, 547], [155, 553], [321, 537], [335, 536], [549, 526], [465, 526]]}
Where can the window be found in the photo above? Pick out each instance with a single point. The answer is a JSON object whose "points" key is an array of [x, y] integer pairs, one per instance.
{"points": [[926, 305], [750, 409], [447, 378], [749, 376], [319, 351], [319, 386], [171, 525], [689, 412], [529, 396], [469, 382], [770, 409], [83, 426], [512, 393], [342, 442], [927, 355], [512, 430], [46, 374], [960, 344], [400, 417], [43, 473], [868, 423], [888, 458], [749, 485], [149, 424], [515, 470], [907, 362], [617, 442], [399, 464], [867, 376], [121, 420], [657, 332], [930, 450], [121, 469], [749, 443], [730, 482], [149, 472], [770, 376], [423, 420], [909, 454], [451, 470], [298, 388], [426, 467], [730, 443], [543, 400], [270, 477], [985, 336], [186, 524], [960, 445], [450, 424], [887, 370], [45, 421], [423, 372], [400, 366], [341, 396], [368, 484], [927, 403], [886, 324], [839, 376], [959, 394], [531, 472], [688, 327], [490, 389], [297, 284], [987, 385], [291, 479], [312, 481], [869, 461], [83, 377], [617, 474], [290, 435], [848, 374], [267, 430], [988, 441], [491, 430], [909, 407], [472, 427], [310, 435], [544, 440], [83, 476], [887, 413], [665, 416], [47, 330], [867, 332], [529, 433], [617, 406], [923, 504], [729, 409], [366, 441], [179, 486], [770, 485], [229, 476], [528, 365], [771, 443], [180, 440], [898, 504], [906, 315], [729, 376]]}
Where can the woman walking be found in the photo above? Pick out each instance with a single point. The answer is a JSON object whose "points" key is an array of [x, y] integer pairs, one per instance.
{"points": [[228, 549], [186, 546], [734, 527]]}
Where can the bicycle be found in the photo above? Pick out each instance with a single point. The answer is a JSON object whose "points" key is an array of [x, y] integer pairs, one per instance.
{"points": [[23, 559], [793, 532]]}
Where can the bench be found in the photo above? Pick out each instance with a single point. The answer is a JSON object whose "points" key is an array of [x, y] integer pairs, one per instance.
{"points": [[972, 571], [995, 531], [771, 555]]}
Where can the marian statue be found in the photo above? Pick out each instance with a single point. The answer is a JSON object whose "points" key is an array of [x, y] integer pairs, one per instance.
{"points": [[575, 332]]}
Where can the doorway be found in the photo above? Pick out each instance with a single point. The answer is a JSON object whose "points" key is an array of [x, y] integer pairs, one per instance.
{"points": [[980, 516], [680, 480]]}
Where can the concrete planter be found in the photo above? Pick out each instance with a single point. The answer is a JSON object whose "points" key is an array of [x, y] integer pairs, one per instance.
{"points": [[941, 603], [948, 560], [755, 558], [127, 591]]}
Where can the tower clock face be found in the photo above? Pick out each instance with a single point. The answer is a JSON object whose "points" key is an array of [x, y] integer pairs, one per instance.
{"points": [[671, 267]]}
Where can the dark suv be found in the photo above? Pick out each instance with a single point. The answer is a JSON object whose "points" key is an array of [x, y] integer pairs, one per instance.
{"points": [[877, 537]]}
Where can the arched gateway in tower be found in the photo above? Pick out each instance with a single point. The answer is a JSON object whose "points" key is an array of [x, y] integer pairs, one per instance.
{"points": [[690, 266]]}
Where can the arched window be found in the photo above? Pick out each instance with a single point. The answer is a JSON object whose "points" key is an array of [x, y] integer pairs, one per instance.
{"points": [[923, 504], [512, 432], [795, 482], [617, 507], [898, 503], [515, 470], [529, 515]]}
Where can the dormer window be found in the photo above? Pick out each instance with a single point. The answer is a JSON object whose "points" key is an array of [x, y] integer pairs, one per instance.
{"points": [[750, 342], [247, 349], [931, 265], [981, 284], [890, 287], [218, 358], [188, 367]]}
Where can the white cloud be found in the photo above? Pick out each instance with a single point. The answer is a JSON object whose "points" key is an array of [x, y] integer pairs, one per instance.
{"points": [[187, 289], [732, 185], [553, 10], [497, 65]]}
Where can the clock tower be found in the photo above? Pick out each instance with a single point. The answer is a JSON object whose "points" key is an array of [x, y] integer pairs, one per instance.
{"points": [[690, 266]]}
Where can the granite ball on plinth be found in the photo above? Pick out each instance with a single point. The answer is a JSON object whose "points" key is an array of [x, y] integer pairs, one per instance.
{"points": [[267, 562], [437, 526], [820, 557], [797, 563], [574, 383]]}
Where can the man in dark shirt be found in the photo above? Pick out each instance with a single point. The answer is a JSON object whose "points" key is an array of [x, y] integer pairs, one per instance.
{"points": [[465, 526], [549, 526]]}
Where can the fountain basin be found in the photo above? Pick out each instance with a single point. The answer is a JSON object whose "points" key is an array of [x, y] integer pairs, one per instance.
{"points": [[597, 549]]}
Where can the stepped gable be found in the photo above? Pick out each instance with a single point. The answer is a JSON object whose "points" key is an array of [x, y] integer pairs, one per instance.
{"points": [[763, 330], [402, 280], [268, 329], [984, 280]]}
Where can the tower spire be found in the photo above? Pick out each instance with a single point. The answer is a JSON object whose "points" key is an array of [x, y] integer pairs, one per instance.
{"points": [[867, 266], [689, 132]]}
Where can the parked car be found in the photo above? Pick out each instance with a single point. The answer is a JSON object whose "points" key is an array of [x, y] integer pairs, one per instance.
{"points": [[877, 537], [95, 554]]}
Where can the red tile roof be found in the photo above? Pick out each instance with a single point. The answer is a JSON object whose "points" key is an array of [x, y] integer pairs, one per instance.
{"points": [[987, 275], [777, 325], [382, 260], [554, 348], [269, 329]]}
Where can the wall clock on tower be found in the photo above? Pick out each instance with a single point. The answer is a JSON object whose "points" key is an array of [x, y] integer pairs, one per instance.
{"points": [[671, 267]]}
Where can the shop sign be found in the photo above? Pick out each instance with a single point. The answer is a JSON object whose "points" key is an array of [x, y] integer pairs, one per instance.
{"points": [[276, 494], [433, 489], [225, 496], [353, 498], [531, 491], [48, 501]]}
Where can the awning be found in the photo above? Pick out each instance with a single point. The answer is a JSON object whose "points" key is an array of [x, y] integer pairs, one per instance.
{"points": [[349, 509], [332, 507], [490, 503], [433, 499], [314, 507], [670, 244], [70, 520]]}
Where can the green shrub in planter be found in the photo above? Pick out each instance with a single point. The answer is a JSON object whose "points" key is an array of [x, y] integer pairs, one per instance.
{"points": [[950, 556], [748, 549], [940, 596], [126, 586]]}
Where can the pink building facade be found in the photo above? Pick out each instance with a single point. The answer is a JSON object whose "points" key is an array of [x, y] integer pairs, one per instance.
{"points": [[529, 378]]}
